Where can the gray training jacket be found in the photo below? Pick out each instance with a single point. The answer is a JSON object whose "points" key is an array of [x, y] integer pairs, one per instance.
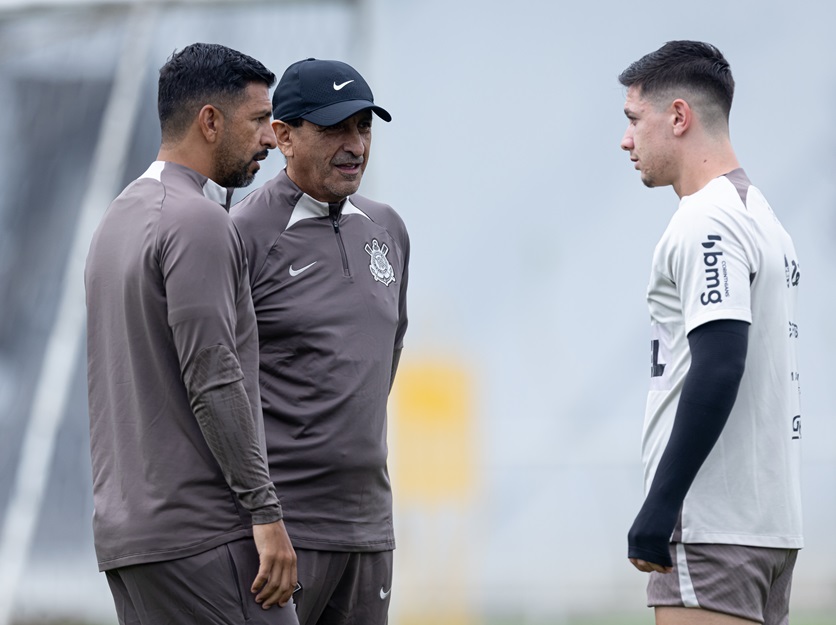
{"points": [[172, 359], [329, 289]]}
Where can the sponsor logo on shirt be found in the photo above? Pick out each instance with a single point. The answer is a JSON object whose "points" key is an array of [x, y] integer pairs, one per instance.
{"points": [[793, 272], [657, 368], [379, 265], [714, 265]]}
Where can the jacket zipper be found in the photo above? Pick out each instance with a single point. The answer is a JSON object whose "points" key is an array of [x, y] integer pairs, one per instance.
{"points": [[334, 214]]}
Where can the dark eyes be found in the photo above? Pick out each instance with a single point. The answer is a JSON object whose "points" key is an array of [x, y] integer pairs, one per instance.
{"points": [[341, 128]]}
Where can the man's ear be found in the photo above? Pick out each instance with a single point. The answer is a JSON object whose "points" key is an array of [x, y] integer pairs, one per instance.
{"points": [[284, 137], [211, 123], [681, 117]]}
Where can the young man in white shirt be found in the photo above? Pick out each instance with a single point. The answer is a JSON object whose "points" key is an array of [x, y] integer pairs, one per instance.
{"points": [[720, 526]]}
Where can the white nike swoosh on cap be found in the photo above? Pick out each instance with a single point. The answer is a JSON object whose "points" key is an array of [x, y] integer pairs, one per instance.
{"points": [[296, 272], [340, 86], [384, 593]]}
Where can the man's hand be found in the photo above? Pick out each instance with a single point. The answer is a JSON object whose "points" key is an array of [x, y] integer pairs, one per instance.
{"points": [[649, 539], [276, 577], [649, 567]]}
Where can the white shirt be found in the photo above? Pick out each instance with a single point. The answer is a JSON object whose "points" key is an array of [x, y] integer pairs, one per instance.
{"points": [[725, 255]]}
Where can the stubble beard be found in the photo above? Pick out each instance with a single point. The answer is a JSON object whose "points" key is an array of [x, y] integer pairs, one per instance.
{"points": [[231, 171], [345, 185], [649, 179], [345, 189]]}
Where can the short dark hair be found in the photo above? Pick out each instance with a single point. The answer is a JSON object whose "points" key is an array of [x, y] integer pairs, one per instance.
{"points": [[199, 74], [693, 65]]}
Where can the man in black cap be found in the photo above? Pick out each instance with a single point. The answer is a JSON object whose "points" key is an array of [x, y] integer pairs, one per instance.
{"points": [[328, 271]]}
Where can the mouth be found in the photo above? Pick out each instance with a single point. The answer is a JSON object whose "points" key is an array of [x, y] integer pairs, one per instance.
{"points": [[350, 167], [259, 157]]}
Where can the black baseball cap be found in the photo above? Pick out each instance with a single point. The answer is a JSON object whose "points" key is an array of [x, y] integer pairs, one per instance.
{"points": [[323, 92]]}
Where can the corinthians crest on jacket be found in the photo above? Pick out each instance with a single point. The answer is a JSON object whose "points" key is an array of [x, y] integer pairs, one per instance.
{"points": [[380, 266]]}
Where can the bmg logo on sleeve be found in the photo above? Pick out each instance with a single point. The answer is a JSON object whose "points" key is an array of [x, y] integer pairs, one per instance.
{"points": [[713, 262]]}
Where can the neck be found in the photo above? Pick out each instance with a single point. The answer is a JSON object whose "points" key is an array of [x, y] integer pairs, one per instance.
{"points": [[704, 163], [184, 154]]}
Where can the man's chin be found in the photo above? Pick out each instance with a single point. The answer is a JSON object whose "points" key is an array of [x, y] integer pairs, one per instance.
{"points": [[352, 183], [349, 190], [648, 182], [238, 181], [248, 175]]}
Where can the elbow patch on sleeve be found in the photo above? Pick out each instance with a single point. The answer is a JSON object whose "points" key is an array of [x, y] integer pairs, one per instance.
{"points": [[213, 367]]}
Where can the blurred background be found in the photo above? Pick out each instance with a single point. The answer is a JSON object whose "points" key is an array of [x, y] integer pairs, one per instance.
{"points": [[515, 422]]}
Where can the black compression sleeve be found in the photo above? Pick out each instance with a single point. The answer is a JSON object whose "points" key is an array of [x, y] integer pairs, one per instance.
{"points": [[718, 356]]}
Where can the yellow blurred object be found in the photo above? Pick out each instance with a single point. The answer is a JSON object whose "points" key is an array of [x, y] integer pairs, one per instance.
{"points": [[433, 435], [433, 440]]}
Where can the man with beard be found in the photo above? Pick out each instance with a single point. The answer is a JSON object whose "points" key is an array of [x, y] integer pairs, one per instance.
{"points": [[187, 524]]}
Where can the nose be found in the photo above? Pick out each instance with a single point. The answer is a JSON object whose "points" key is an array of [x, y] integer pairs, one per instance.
{"points": [[355, 142], [627, 140], [268, 138]]}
